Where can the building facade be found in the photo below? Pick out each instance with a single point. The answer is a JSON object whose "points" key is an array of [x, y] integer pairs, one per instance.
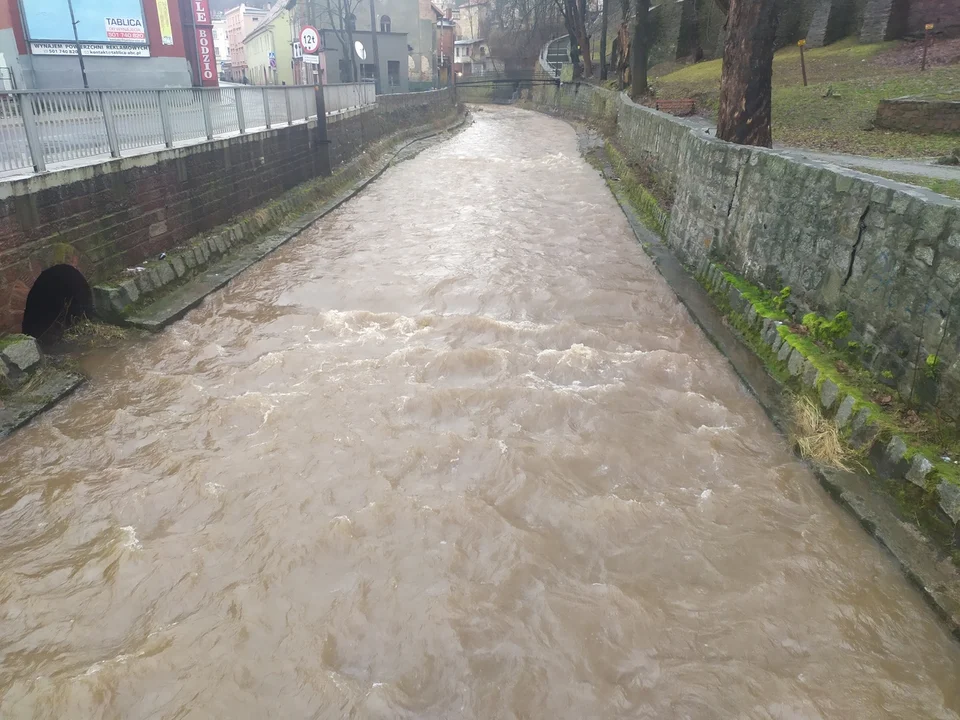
{"points": [[240, 22], [221, 45], [124, 43], [268, 49], [472, 57], [415, 19], [391, 47]]}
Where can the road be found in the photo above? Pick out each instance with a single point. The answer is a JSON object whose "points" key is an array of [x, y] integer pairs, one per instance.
{"points": [[455, 452]]}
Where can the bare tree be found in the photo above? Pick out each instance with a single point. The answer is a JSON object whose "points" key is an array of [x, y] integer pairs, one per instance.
{"points": [[640, 50], [603, 39], [575, 19], [622, 43], [519, 28], [746, 80], [341, 16]]}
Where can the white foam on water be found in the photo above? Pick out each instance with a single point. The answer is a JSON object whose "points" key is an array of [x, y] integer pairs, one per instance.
{"points": [[130, 541]]}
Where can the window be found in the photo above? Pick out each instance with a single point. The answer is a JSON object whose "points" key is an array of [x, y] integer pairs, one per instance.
{"points": [[367, 71], [384, 23], [352, 22], [393, 73]]}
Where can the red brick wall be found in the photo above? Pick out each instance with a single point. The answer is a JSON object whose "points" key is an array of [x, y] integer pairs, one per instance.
{"points": [[117, 214], [157, 48]]}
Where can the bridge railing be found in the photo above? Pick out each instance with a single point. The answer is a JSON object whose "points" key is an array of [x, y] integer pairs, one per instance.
{"points": [[39, 128]]}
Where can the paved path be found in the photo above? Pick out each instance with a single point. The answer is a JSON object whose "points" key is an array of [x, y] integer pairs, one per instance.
{"points": [[904, 166], [907, 166]]}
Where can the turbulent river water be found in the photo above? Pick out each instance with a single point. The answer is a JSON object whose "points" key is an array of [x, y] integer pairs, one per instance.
{"points": [[455, 452]]}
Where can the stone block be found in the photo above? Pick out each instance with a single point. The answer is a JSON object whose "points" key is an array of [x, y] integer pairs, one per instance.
{"points": [[751, 315], [776, 342], [165, 272], [895, 449], [21, 354], [949, 271], [920, 467], [925, 254], [828, 393], [795, 363], [900, 203], [784, 352], [155, 279], [735, 298], [220, 243], [865, 432], [949, 500], [144, 283], [179, 266], [810, 375], [190, 259], [845, 410], [131, 290]]}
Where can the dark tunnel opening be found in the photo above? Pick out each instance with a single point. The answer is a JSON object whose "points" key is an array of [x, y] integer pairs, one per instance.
{"points": [[59, 297]]}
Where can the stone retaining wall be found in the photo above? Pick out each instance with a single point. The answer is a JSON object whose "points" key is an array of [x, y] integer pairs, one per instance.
{"points": [[887, 253], [916, 115]]}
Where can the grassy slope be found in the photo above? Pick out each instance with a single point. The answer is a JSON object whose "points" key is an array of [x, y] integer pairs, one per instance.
{"points": [[803, 117]]}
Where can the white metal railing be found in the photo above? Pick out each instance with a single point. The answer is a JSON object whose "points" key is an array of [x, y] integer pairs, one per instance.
{"points": [[39, 128], [338, 98], [554, 54]]}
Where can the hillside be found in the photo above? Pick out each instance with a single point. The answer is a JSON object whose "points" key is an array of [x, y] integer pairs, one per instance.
{"points": [[847, 81]]}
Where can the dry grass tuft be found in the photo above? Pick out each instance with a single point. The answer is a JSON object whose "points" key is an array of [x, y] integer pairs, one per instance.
{"points": [[89, 330], [818, 437]]}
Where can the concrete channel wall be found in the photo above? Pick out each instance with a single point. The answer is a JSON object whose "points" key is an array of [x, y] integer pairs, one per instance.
{"points": [[106, 217], [887, 253]]}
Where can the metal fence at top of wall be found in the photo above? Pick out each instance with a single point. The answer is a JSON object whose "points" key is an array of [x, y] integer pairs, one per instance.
{"points": [[42, 128]]}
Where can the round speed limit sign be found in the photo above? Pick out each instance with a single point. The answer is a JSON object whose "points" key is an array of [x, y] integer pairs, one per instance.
{"points": [[309, 39]]}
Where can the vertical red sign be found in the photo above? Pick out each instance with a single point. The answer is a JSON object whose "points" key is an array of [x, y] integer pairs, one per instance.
{"points": [[206, 58]]}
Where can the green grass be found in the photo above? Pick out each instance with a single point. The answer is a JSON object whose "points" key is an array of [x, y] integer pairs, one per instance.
{"points": [[804, 117], [950, 188]]}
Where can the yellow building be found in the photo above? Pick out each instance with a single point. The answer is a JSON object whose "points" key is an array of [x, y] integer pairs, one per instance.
{"points": [[269, 49]]}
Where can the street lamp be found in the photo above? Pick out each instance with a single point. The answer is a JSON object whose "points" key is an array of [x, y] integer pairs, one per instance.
{"points": [[76, 40]]}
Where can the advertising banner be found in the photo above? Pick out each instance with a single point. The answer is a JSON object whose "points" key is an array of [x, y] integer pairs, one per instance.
{"points": [[125, 30], [206, 56], [166, 28], [112, 27]]}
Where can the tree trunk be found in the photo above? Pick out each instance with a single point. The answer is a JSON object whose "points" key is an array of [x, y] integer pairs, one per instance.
{"points": [[584, 35], [603, 40], [640, 50], [745, 84]]}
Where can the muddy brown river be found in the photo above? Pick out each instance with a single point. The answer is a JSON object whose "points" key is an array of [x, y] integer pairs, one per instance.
{"points": [[455, 452]]}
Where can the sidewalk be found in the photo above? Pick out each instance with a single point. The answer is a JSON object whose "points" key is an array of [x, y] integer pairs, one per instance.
{"points": [[902, 166]]}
